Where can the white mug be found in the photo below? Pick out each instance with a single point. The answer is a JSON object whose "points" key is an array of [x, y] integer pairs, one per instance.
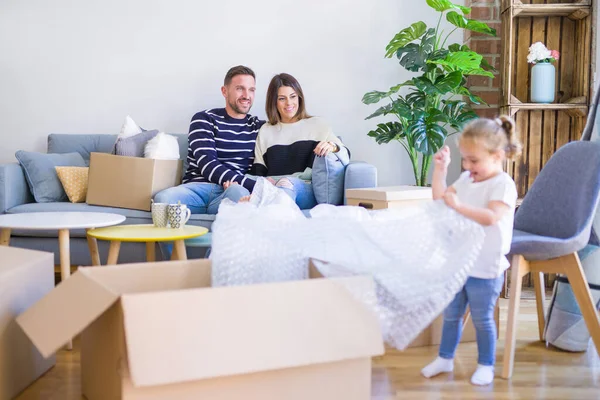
{"points": [[178, 215], [160, 217]]}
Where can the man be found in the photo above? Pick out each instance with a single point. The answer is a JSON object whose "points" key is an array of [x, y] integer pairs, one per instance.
{"points": [[220, 149]]}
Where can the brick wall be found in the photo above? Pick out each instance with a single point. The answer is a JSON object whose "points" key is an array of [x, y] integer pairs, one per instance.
{"points": [[488, 89]]}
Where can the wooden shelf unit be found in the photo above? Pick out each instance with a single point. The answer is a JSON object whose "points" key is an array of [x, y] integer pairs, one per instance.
{"points": [[543, 128]]}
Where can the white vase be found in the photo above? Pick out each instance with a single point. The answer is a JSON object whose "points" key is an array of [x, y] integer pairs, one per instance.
{"points": [[542, 83]]}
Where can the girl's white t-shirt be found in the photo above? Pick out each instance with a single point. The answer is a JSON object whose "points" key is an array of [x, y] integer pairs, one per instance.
{"points": [[492, 261]]}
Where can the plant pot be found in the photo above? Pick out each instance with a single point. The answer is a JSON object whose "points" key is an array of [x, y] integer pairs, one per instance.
{"points": [[542, 83]]}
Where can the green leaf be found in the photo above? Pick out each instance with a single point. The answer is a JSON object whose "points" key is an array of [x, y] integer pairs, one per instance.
{"points": [[387, 132], [425, 85], [425, 134], [458, 112], [381, 111], [404, 37], [443, 5], [416, 99], [484, 63], [470, 24], [466, 92], [460, 60], [449, 83], [373, 97], [402, 109], [479, 72], [414, 56]]}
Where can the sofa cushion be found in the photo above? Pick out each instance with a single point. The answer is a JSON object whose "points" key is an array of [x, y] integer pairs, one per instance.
{"points": [[74, 181], [133, 146], [328, 177], [41, 175], [82, 144]]}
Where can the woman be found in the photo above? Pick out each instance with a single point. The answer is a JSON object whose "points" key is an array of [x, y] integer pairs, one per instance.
{"points": [[288, 143]]}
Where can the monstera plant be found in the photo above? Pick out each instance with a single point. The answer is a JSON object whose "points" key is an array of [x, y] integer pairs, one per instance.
{"points": [[437, 102]]}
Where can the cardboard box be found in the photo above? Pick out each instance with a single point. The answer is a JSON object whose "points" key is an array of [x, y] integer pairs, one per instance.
{"points": [[129, 182], [387, 197], [432, 335], [25, 277], [157, 331]]}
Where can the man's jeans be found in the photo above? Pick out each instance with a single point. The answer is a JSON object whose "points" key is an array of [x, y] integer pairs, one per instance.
{"points": [[201, 198], [481, 295]]}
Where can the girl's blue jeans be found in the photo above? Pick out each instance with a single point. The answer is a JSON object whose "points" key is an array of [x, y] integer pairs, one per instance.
{"points": [[481, 296]]}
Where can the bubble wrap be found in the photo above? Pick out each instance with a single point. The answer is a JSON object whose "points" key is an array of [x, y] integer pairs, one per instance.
{"points": [[419, 257]]}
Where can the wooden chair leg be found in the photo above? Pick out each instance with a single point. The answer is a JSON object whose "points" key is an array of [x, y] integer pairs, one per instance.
{"points": [[65, 262], [540, 295], [584, 298], [519, 267]]}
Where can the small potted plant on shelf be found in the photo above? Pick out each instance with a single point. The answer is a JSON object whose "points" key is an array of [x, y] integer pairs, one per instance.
{"points": [[543, 74], [438, 102]]}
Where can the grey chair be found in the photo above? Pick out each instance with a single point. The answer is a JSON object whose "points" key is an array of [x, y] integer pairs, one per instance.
{"points": [[551, 225]]}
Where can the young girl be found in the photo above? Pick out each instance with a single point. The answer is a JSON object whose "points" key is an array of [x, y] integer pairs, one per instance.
{"points": [[487, 195]]}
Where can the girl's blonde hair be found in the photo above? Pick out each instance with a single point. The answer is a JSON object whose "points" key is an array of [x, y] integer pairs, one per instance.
{"points": [[495, 134]]}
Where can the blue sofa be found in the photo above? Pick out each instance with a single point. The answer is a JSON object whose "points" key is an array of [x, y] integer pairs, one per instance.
{"points": [[15, 197]]}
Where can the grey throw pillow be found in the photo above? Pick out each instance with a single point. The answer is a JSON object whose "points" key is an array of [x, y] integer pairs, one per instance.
{"points": [[328, 177], [133, 146], [40, 173]]}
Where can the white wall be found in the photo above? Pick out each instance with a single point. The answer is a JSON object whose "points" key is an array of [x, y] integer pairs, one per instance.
{"points": [[81, 66]]}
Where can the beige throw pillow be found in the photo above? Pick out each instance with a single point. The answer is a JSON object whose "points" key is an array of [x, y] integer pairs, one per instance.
{"points": [[74, 181]]}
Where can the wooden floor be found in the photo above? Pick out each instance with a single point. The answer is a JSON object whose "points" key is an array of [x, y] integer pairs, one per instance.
{"points": [[540, 372]]}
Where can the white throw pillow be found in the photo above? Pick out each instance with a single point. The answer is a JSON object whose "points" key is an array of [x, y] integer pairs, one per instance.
{"points": [[129, 128], [162, 147]]}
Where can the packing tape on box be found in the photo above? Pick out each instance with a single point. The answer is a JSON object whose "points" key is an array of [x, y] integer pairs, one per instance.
{"points": [[419, 257]]}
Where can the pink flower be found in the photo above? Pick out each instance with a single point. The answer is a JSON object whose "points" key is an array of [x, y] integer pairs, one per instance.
{"points": [[555, 54]]}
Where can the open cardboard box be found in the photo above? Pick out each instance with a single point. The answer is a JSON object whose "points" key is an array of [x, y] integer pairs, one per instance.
{"points": [[129, 182], [157, 331], [26, 276]]}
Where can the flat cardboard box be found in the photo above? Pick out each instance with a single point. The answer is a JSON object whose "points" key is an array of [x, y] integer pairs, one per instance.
{"points": [[25, 277], [158, 331], [380, 198], [129, 182]]}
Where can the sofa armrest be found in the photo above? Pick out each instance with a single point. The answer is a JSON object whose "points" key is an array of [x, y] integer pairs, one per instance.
{"points": [[14, 190], [359, 174]]}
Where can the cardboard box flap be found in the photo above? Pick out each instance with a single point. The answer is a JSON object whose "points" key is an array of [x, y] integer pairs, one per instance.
{"points": [[153, 277], [204, 333], [65, 311], [391, 193]]}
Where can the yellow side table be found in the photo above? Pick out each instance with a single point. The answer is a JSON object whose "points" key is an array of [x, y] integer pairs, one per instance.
{"points": [[144, 233]]}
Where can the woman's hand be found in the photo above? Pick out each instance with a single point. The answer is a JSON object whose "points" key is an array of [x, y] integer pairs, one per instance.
{"points": [[442, 158], [451, 200], [323, 148]]}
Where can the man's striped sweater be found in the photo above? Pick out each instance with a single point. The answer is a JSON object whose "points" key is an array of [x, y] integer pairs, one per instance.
{"points": [[221, 148]]}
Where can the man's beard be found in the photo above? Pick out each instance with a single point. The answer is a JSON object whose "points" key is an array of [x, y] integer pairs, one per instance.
{"points": [[234, 106]]}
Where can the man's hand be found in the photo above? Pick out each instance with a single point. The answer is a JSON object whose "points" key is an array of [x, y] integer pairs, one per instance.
{"points": [[451, 200], [442, 158], [323, 148], [226, 184], [271, 180]]}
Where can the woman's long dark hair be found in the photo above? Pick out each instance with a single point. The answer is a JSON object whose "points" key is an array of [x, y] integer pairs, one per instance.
{"points": [[278, 81]]}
